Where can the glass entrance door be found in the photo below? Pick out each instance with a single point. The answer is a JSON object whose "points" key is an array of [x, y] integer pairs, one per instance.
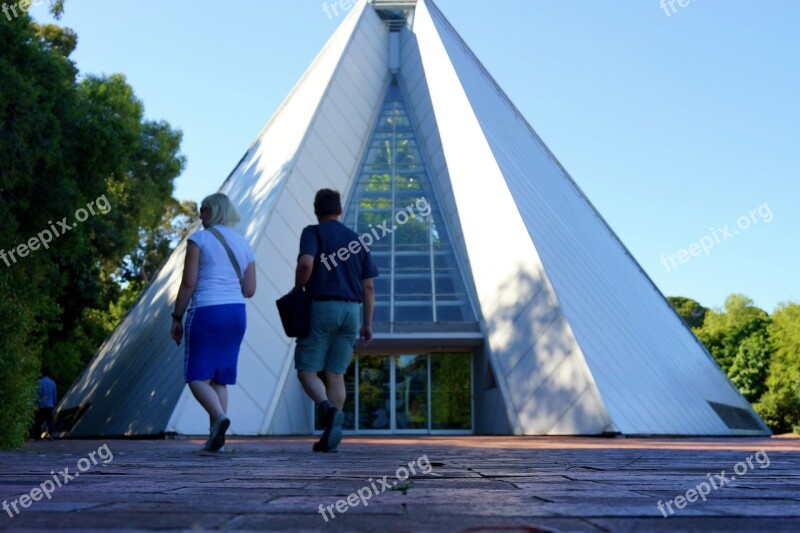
{"points": [[411, 395], [415, 393], [373, 392]]}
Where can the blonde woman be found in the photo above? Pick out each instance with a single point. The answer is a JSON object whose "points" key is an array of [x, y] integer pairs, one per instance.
{"points": [[218, 274]]}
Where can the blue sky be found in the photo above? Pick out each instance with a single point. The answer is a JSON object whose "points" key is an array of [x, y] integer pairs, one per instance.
{"points": [[675, 126]]}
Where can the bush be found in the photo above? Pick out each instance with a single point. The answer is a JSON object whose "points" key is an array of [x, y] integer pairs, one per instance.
{"points": [[19, 368]]}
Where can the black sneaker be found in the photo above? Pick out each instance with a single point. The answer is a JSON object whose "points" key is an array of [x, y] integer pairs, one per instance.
{"points": [[327, 418], [321, 447], [217, 439], [334, 429]]}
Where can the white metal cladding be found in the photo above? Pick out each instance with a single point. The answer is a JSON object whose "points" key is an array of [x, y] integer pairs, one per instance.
{"points": [[337, 111], [491, 415], [652, 374], [134, 383], [505, 265], [354, 95]]}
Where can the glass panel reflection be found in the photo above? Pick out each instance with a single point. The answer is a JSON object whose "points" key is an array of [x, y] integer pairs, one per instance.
{"points": [[374, 407], [393, 178], [411, 391], [449, 390], [451, 398]]}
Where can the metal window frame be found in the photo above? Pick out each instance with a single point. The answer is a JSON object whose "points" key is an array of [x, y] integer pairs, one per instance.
{"points": [[393, 430]]}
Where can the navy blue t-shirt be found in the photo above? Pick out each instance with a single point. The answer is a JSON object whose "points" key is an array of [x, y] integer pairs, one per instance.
{"points": [[339, 272]]}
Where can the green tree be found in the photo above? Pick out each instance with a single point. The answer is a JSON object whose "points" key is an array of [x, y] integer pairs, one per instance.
{"points": [[750, 366], [737, 338], [35, 95], [692, 313], [131, 162], [129, 280], [19, 360], [64, 143], [156, 244], [723, 332], [780, 405]]}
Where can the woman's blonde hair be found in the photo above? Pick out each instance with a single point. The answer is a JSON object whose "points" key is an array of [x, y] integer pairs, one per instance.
{"points": [[222, 210]]}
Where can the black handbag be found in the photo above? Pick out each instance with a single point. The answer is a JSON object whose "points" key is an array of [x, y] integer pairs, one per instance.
{"points": [[295, 307], [295, 311]]}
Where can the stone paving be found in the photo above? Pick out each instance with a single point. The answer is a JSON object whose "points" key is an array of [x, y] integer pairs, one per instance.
{"points": [[458, 484]]}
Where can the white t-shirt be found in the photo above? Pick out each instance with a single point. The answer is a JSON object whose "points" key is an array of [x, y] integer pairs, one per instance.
{"points": [[217, 283]]}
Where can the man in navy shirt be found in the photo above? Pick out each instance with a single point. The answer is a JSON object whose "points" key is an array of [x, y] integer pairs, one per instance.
{"points": [[337, 269]]}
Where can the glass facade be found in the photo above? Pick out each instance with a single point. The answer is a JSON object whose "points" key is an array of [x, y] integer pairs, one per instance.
{"points": [[451, 392], [395, 203], [420, 289], [411, 392], [373, 391], [416, 393]]}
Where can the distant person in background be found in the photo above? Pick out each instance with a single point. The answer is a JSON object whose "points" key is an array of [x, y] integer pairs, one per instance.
{"points": [[218, 274], [46, 399]]}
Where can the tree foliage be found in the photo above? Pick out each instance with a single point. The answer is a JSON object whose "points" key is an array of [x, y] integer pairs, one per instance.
{"points": [[63, 144], [692, 313], [723, 331], [750, 365], [780, 405], [760, 353], [156, 244]]}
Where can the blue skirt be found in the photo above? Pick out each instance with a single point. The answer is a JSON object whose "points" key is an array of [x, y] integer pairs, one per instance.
{"points": [[213, 336]]}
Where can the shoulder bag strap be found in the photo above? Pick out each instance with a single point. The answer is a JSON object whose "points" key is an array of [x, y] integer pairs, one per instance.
{"points": [[215, 232]]}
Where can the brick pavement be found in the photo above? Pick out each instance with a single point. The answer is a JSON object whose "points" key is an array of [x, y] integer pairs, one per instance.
{"points": [[474, 484]]}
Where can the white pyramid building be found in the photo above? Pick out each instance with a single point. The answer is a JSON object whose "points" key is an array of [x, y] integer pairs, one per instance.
{"points": [[510, 308]]}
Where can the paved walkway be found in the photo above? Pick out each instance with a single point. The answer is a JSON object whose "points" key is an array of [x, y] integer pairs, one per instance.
{"points": [[459, 483]]}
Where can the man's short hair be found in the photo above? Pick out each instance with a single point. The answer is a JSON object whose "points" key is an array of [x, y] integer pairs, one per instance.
{"points": [[327, 203]]}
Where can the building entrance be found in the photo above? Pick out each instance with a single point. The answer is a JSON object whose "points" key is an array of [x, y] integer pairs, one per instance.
{"points": [[429, 393]]}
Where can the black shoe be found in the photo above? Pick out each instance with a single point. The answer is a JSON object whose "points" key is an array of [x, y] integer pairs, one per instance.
{"points": [[327, 418], [334, 429], [321, 447], [217, 439]]}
